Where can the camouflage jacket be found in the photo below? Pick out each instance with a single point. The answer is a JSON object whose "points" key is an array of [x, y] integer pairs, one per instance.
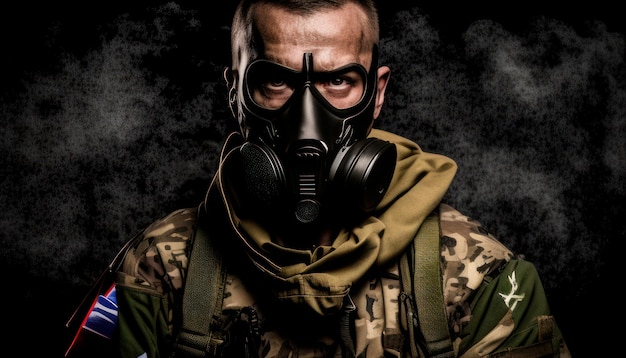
{"points": [[332, 300], [493, 299]]}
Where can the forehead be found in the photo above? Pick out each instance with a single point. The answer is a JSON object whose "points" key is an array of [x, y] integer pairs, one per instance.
{"points": [[335, 36]]}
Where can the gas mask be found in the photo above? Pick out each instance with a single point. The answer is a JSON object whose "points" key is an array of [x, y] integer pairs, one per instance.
{"points": [[305, 156]]}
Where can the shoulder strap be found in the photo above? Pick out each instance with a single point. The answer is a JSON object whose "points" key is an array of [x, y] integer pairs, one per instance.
{"points": [[420, 275], [202, 298]]}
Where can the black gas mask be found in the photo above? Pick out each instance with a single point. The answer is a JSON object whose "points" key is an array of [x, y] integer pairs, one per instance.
{"points": [[305, 154]]}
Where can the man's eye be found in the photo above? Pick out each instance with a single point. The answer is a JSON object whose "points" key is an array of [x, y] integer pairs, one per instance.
{"points": [[272, 94], [349, 79], [275, 83], [340, 83], [341, 90], [337, 81], [274, 87]]}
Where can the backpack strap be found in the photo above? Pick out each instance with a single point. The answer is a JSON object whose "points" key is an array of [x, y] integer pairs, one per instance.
{"points": [[202, 298], [422, 292]]}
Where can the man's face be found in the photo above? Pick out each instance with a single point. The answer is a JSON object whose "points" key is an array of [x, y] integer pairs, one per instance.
{"points": [[335, 37], [306, 104]]}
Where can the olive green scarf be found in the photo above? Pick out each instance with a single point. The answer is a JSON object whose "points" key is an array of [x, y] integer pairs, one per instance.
{"points": [[320, 278]]}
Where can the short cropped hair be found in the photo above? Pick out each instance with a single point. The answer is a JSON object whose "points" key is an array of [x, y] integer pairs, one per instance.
{"points": [[244, 41]]}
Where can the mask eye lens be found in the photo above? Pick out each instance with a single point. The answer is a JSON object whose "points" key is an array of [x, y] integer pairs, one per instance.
{"points": [[343, 88], [270, 85]]}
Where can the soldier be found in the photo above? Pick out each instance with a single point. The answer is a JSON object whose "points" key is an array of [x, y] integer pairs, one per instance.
{"points": [[299, 247]]}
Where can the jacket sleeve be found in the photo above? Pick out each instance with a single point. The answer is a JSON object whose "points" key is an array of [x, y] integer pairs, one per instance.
{"points": [[511, 317], [150, 284], [143, 324], [146, 278], [495, 300]]}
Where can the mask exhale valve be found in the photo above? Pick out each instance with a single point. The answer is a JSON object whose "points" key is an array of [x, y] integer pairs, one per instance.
{"points": [[308, 165]]}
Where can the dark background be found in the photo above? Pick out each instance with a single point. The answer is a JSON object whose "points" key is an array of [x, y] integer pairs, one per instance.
{"points": [[113, 114]]}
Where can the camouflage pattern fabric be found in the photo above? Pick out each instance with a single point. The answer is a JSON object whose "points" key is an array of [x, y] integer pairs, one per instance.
{"points": [[477, 269], [150, 283], [469, 253]]}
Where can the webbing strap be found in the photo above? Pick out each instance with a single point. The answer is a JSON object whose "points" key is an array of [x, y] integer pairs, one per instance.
{"points": [[426, 290], [427, 279], [202, 295]]}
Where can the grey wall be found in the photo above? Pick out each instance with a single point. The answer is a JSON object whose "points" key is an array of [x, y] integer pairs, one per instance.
{"points": [[113, 115]]}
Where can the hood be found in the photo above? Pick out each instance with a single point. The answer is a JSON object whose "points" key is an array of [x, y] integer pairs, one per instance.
{"points": [[320, 278]]}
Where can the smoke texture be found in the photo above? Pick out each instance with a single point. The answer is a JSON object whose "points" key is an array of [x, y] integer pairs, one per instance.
{"points": [[116, 117]]}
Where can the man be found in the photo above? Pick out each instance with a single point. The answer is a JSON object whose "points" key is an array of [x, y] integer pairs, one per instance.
{"points": [[306, 221]]}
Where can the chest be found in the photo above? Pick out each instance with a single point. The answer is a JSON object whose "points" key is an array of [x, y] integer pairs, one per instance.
{"points": [[366, 326]]}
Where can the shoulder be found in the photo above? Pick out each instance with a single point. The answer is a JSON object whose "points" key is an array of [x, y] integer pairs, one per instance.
{"points": [[469, 253], [176, 224], [465, 240], [159, 254]]}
